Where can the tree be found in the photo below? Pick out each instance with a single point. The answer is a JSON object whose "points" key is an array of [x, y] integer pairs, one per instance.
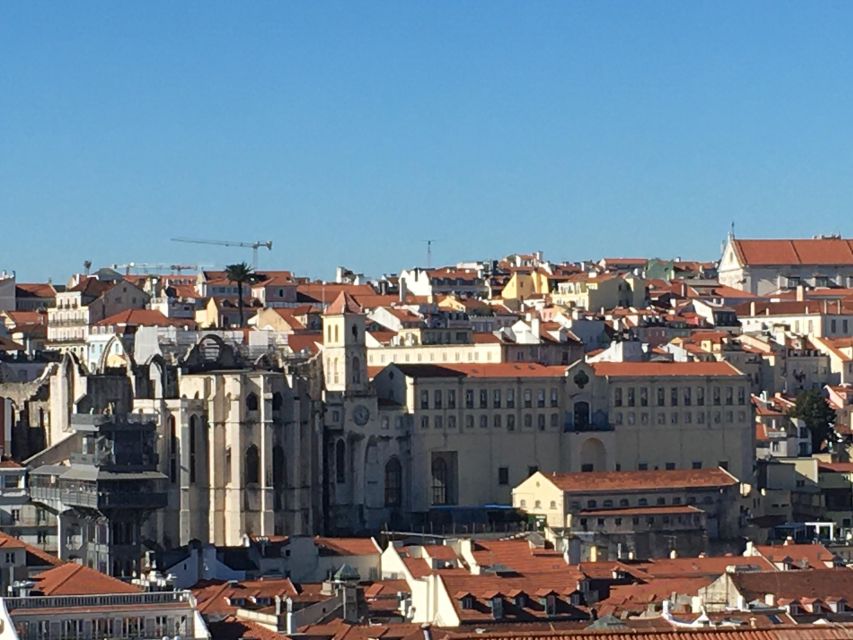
{"points": [[811, 407], [241, 273]]}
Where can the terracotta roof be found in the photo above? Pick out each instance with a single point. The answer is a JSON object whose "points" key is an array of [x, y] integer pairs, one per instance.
{"points": [[823, 251], [814, 583], [7, 344], [813, 556], [92, 286], [609, 481], [344, 303], [234, 628], [71, 579], [142, 318], [781, 632], [496, 370], [34, 290], [217, 597], [305, 341], [517, 555], [664, 369], [348, 546]]}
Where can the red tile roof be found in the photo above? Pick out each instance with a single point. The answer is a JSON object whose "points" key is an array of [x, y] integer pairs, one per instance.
{"points": [[142, 318], [348, 546], [813, 556], [822, 251], [812, 583], [496, 370], [609, 481], [664, 369], [344, 303], [780, 632], [71, 579]]}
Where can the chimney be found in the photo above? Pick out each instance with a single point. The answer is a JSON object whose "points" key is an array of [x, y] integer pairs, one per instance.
{"points": [[673, 554], [752, 308], [750, 548], [801, 290], [427, 631]]}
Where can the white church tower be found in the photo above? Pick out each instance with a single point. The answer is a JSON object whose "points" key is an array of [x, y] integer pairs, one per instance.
{"points": [[344, 348]]}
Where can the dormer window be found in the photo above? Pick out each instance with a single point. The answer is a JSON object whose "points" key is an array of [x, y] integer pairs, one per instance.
{"points": [[550, 605], [521, 600], [497, 605], [468, 601]]}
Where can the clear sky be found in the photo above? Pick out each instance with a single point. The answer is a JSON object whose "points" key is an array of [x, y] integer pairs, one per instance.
{"points": [[351, 132]]}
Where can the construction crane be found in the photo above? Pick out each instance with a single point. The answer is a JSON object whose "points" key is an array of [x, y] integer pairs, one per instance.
{"points": [[254, 246], [157, 267]]}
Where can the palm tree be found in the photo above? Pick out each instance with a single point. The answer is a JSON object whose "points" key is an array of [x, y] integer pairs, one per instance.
{"points": [[240, 273]]}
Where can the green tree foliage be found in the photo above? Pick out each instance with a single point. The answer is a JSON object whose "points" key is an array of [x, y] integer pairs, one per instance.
{"points": [[811, 407], [241, 273]]}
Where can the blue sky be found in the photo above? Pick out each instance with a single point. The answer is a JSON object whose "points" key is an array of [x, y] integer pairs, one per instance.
{"points": [[350, 132]]}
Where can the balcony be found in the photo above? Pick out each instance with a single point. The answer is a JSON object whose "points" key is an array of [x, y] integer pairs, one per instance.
{"points": [[598, 421]]}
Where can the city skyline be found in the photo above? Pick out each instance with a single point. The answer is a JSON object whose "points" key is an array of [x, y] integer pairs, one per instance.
{"points": [[580, 130]]}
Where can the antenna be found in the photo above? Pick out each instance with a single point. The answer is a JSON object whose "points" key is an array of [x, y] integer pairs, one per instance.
{"points": [[429, 252]]}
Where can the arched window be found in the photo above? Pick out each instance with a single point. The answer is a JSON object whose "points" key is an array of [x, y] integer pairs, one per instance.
{"points": [[354, 332], [581, 415], [439, 481], [173, 450], [393, 483], [340, 461], [277, 401], [336, 333], [253, 465], [252, 402], [279, 476], [356, 370], [193, 446]]}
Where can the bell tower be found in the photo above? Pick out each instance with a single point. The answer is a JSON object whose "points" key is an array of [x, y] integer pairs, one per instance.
{"points": [[344, 347]]}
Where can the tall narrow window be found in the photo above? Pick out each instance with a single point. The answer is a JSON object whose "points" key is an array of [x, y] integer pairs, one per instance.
{"points": [[340, 461], [173, 451], [193, 447], [252, 402], [356, 370], [253, 465], [393, 483], [439, 481], [279, 477]]}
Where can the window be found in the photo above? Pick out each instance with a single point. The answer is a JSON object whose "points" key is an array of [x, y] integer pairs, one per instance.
{"points": [[469, 421], [252, 402], [496, 398], [687, 395], [451, 399], [623, 502], [393, 483], [673, 397], [716, 395], [644, 396], [9, 557], [528, 420], [510, 398], [484, 399], [451, 422], [436, 399], [528, 398], [503, 475], [469, 398], [741, 395], [497, 421], [540, 421], [550, 605], [484, 421], [340, 461], [439, 481], [438, 422], [630, 396], [643, 466], [194, 426], [555, 419], [700, 396], [670, 466], [253, 465], [581, 415], [424, 399], [661, 501], [697, 464], [729, 396], [540, 398], [617, 397], [510, 423], [591, 504], [555, 397], [424, 422]]}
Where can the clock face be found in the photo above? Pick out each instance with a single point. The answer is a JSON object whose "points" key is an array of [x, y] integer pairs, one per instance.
{"points": [[361, 415]]}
